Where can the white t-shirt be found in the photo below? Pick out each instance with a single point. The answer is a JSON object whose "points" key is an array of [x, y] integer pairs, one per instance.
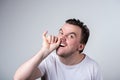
{"points": [[53, 69]]}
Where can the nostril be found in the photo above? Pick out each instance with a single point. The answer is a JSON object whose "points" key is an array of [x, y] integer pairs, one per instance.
{"points": [[63, 39]]}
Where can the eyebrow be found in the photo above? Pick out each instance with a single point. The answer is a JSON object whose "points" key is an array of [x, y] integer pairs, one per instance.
{"points": [[68, 33]]}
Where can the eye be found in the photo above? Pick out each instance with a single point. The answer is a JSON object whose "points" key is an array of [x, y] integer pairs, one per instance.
{"points": [[71, 36]]}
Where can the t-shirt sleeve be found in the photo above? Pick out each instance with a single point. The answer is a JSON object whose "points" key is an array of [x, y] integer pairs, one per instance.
{"points": [[42, 66]]}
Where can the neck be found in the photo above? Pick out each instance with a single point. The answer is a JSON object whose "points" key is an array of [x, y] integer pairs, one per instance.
{"points": [[72, 59]]}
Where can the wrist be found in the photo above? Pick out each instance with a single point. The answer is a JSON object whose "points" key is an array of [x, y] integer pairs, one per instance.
{"points": [[44, 52]]}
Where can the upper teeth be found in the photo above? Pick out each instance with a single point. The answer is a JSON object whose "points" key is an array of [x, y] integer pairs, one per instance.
{"points": [[62, 44]]}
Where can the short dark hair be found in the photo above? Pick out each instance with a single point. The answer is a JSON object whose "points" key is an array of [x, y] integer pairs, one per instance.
{"points": [[85, 31]]}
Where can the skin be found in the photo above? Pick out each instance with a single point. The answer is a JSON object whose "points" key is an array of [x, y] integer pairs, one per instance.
{"points": [[70, 36]]}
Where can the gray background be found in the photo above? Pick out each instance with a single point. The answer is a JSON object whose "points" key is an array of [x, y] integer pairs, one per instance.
{"points": [[23, 21]]}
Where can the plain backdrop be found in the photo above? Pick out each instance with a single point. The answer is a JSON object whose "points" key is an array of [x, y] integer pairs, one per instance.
{"points": [[23, 21]]}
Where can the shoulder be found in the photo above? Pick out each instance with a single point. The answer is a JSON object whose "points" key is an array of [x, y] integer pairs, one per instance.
{"points": [[94, 68], [50, 59], [48, 63], [91, 63]]}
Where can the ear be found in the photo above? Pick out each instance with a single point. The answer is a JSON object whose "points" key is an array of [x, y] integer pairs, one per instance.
{"points": [[81, 46]]}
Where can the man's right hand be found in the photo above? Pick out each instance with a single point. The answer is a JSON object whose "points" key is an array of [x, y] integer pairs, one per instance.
{"points": [[50, 43]]}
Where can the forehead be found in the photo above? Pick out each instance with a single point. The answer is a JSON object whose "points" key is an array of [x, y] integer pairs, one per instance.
{"points": [[66, 28]]}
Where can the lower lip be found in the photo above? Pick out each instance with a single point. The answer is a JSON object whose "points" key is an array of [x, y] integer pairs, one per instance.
{"points": [[60, 49]]}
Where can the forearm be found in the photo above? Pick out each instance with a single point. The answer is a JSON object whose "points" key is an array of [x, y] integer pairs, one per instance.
{"points": [[26, 70]]}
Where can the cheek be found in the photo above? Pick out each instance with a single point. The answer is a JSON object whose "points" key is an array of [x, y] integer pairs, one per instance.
{"points": [[74, 43]]}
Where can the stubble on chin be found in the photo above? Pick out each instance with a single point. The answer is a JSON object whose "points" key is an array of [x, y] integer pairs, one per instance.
{"points": [[63, 55], [60, 54]]}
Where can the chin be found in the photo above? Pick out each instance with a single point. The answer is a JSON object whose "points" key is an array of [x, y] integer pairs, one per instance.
{"points": [[59, 52], [62, 54]]}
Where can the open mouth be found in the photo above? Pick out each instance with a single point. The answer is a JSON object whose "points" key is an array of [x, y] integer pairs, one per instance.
{"points": [[62, 45]]}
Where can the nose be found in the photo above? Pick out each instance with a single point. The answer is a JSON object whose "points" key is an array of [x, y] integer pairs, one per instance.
{"points": [[63, 38]]}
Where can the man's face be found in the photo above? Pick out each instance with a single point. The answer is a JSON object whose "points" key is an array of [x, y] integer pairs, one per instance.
{"points": [[70, 36]]}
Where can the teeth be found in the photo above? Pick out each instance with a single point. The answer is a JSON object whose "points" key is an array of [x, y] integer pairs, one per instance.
{"points": [[62, 45]]}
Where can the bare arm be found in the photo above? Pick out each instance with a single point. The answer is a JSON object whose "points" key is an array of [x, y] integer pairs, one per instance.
{"points": [[29, 69]]}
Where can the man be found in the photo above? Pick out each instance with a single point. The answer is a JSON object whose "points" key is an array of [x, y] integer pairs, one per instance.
{"points": [[68, 63]]}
